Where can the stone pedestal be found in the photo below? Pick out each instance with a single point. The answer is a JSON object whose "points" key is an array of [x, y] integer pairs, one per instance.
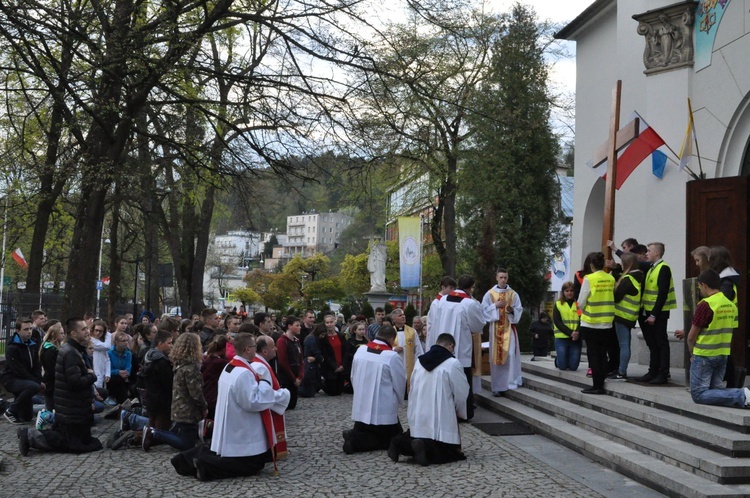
{"points": [[377, 299]]}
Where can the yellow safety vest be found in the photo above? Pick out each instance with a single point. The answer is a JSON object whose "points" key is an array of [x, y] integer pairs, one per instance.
{"points": [[651, 290], [569, 316], [629, 306], [600, 305], [716, 339]]}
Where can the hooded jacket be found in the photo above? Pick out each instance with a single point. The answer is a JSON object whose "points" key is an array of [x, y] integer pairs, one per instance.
{"points": [[156, 370], [22, 360]]}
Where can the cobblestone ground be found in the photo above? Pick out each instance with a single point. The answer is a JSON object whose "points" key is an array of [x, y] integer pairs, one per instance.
{"points": [[317, 466]]}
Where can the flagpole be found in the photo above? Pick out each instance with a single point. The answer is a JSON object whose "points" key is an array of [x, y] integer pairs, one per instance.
{"points": [[2, 264], [695, 139], [421, 260], [690, 171]]}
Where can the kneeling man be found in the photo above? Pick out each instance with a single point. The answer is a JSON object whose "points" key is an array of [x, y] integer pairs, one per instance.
{"points": [[243, 431], [437, 400], [379, 381]]}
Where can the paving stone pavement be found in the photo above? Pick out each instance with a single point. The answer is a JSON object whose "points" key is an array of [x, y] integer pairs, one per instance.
{"points": [[316, 467]]}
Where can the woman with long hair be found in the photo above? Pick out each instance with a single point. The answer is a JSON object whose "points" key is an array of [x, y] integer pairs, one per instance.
{"points": [[565, 321], [701, 255], [189, 406], [627, 307], [54, 336], [211, 368]]}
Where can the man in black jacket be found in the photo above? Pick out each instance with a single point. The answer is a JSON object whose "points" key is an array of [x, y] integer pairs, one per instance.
{"points": [[23, 372], [73, 400]]}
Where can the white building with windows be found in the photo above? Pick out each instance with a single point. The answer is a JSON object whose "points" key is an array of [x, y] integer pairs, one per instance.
{"points": [[313, 232]]}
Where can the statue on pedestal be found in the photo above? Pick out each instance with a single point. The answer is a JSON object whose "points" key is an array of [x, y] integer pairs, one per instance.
{"points": [[376, 266]]}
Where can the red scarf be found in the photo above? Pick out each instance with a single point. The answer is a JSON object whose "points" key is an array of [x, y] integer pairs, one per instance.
{"points": [[379, 347], [279, 426], [265, 415], [459, 293]]}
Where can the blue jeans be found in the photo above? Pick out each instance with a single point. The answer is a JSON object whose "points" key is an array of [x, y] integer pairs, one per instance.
{"points": [[181, 436], [137, 422], [706, 381], [568, 354], [623, 339]]}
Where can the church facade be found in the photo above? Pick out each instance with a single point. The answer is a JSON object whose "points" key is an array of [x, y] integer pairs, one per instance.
{"points": [[664, 53]]}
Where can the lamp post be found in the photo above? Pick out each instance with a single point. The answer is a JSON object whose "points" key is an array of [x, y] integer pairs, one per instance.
{"points": [[99, 281]]}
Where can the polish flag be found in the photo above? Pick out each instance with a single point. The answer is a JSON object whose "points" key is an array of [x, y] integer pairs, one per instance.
{"points": [[18, 256], [105, 280]]}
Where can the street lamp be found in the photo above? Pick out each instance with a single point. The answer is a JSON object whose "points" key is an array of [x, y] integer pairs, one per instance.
{"points": [[99, 283]]}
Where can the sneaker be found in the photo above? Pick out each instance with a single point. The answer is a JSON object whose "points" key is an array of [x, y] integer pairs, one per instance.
{"points": [[420, 452], [112, 412], [126, 405], [589, 373], [11, 418], [110, 402], [747, 396], [112, 438], [148, 438], [23, 441], [124, 421], [124, 439], [617, 376], [205, 429], [44, 420]]}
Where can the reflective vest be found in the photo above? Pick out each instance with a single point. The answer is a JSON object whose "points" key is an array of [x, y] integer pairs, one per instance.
{"points": [[716, 339], [600, 305], [651, 290], [629, 306], [569, 316]]}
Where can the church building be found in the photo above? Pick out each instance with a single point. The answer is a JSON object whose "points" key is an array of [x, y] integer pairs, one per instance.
{"points": [[666, 53]]}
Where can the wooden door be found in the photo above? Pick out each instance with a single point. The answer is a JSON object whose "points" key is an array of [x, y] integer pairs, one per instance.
{"points": [[717, 215]]}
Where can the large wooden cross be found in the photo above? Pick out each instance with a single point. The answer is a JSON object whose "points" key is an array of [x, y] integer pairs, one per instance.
{"points": [[618, 140]]}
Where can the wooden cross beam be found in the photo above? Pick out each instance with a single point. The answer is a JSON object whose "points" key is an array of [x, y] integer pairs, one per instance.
{"points": [[618, 140]]}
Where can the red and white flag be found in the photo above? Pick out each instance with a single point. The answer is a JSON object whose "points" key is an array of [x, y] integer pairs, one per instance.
{"points": [[105, 280], [18, 256]]}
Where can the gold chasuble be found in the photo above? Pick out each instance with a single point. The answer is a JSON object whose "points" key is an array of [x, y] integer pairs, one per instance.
{"points": [[502, 329], [476, 355], [410, 336]]}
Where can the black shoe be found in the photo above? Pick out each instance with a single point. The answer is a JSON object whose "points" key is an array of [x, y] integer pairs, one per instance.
{"points": [[393, 451], [420, 452], [200, 470], [646, 378], [347, 434], [148, 438], [182, 466], [348, 446], [593, 390], [124, 439], [659, 379], [23, 441]]}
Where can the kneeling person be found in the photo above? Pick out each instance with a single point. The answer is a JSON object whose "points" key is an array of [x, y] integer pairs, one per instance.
{"points": [[243, 435], [436, 401], [709, 342], [379, 381]]}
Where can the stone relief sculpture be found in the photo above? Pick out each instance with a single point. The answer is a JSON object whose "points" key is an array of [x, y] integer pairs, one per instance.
{"points": [[668, 35]]}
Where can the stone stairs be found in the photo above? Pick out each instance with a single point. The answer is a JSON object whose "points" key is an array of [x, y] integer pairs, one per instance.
{"points": [[654, 434]]}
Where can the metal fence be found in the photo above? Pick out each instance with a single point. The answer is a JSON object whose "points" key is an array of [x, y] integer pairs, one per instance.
{"points": [[20, 304]]}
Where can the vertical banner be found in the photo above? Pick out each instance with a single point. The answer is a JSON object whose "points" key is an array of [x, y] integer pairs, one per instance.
{"points": [[707, 19], [409, 250]]}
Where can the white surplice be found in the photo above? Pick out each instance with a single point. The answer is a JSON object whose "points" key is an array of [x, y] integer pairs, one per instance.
{"points": [[506, 376], [460, 315], [435, 401], [238, 426], [379, 382]]}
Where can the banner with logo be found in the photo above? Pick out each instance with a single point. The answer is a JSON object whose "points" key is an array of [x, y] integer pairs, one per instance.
{"points": [[410, 250]]}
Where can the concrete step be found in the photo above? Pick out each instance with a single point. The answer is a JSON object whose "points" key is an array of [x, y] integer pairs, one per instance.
{"points": [[725, 441], [704, 462], [672, 398], [644, 467]]}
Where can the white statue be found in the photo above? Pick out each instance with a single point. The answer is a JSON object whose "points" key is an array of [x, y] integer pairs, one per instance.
{"points": [[376, 266]]}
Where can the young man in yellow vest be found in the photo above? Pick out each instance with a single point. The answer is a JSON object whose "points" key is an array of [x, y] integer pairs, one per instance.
{"points": [[597, 304], [709, 343], [658, 299]]}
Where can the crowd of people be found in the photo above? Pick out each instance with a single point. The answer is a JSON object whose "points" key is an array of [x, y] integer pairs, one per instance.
{"points": [[216, 388]]}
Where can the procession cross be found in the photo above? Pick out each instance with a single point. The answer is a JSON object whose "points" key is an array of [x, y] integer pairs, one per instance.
{"points": [[618, 139]]}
